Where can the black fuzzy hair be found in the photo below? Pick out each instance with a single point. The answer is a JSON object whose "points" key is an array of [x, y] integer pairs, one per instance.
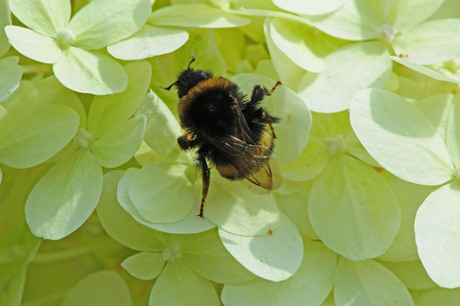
{"points": [[190, 78]]}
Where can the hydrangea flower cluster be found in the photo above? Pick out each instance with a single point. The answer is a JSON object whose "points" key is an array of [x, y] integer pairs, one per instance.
{"points": [[98, 203]]}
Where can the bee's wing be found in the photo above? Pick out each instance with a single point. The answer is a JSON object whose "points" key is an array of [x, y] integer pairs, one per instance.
{"points": [[263, 177], [253, 156], [249, 160], [263, 183], [252, 159]]}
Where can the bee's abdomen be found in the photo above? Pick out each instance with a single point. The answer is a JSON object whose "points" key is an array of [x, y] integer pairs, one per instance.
{"points": [[230, 172]]}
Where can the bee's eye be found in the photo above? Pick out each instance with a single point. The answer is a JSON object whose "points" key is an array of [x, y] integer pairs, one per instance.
{"points": [[202, 74]]}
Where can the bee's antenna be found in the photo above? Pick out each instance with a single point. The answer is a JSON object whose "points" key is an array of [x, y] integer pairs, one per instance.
{"points": [[169, 87], [188, 67], [192, 60]]}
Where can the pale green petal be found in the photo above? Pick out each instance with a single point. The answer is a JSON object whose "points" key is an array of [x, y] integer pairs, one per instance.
{"points": [[235, 209], [107, 113], [309, 7], [438, 109], [51, 92], [255, 4], [205, 254], [254, 30], [64, 197], [389, 126], [346, 71], [331, 125], [411, 273], [166, 67], [331, 133], [405, 14], [449, 9], [179, 285], [295, 207], [33, 45], [99, 288], [161, 192], [355, 20], [309, 286], [449, 69], [437, 234], [120, 146], [289, 187], [366, 282], [10, 75], [300, 43], [21, 104], [90, 72], [5, 19], [425, 70], [144, 266], [189, 225], [416, 86], [104, 22], [353, 210], [147, 42], [310, 163], [290, 74], [196, 15], [410, 197], [26, 141], [295, 117], [162, 129], [411, 89], [119, 224], [439, 296], [453, 132], [329, 301], [432, 42], [276, 256], [357, 150], [44, 16], [393, 81]]}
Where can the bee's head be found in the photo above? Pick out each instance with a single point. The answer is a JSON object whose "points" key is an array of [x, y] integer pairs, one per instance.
{"points": [[188, 79]]}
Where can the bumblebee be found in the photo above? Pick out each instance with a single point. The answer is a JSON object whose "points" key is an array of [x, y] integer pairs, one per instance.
{"points": [[228, 130]]}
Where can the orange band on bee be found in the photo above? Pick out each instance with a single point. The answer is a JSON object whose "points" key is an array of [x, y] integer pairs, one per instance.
{"points": [[229, 171], [266, 140]]}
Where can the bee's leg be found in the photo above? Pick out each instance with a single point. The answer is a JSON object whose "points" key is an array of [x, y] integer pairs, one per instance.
{"points": [[269, 120], [274, 86], [206, 175], [259, 92], [186, 141], [270, 124]]}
